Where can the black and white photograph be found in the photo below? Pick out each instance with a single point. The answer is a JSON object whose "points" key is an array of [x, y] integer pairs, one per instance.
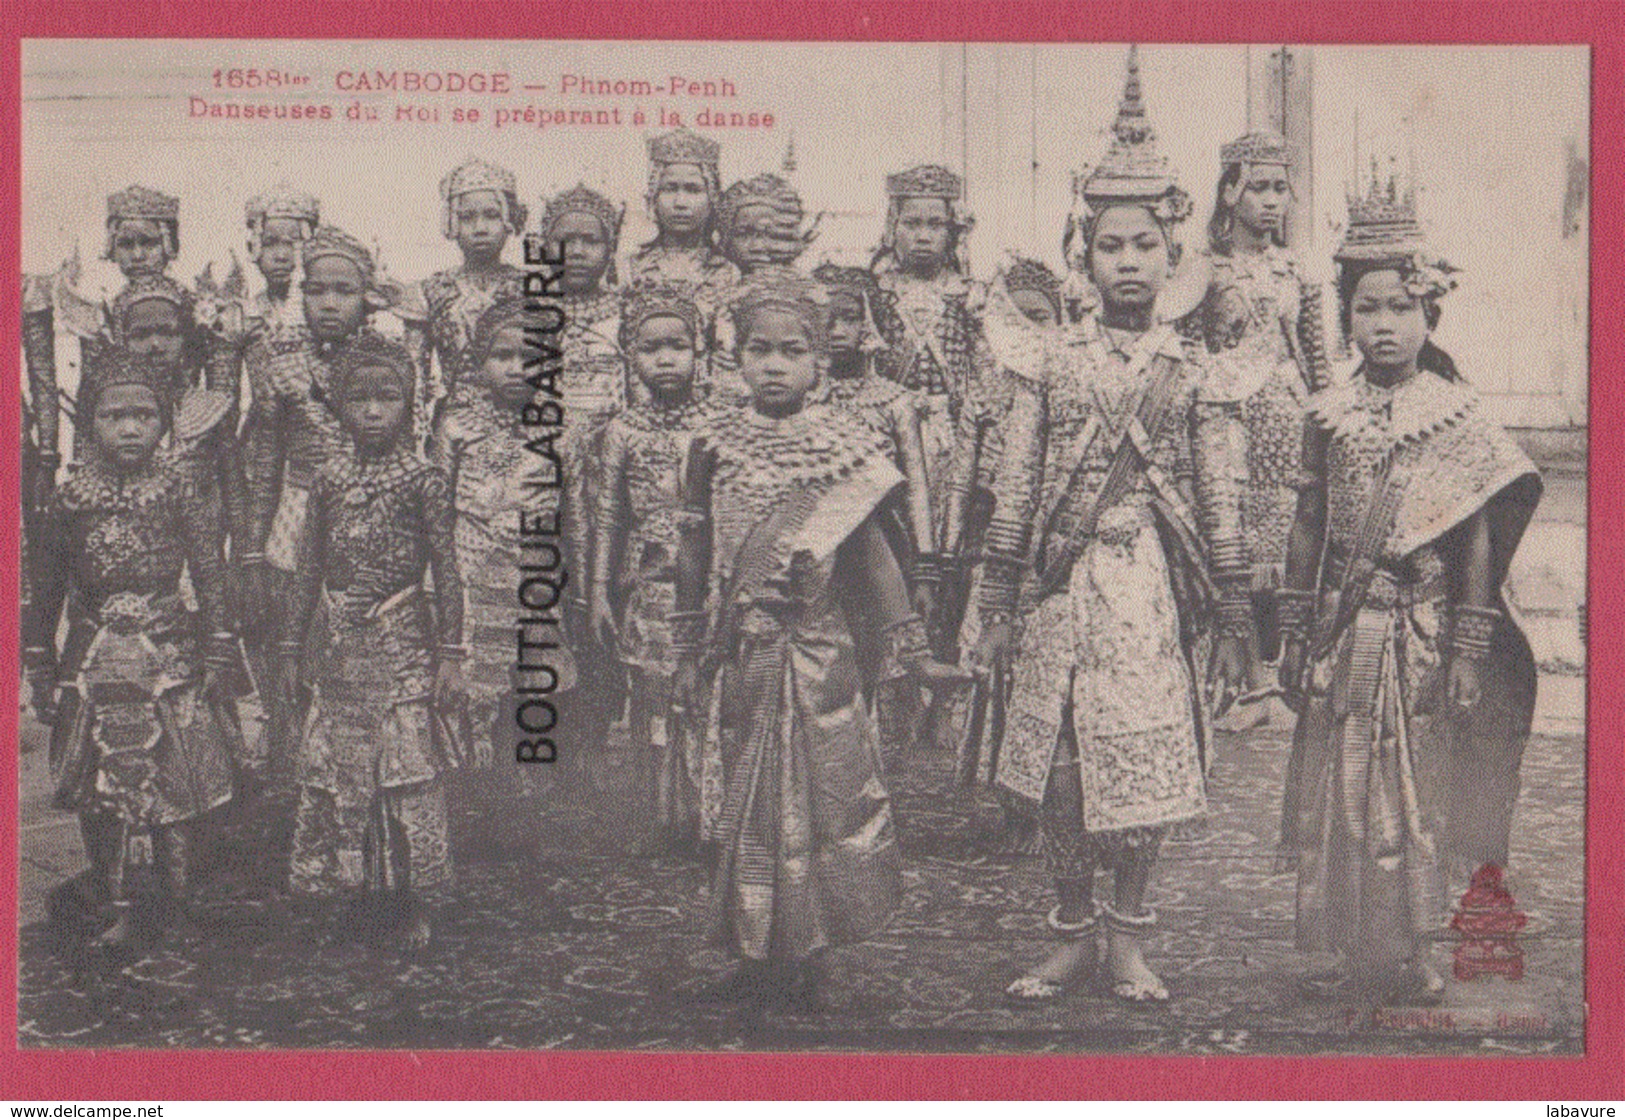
{"points": [[763, 546]]}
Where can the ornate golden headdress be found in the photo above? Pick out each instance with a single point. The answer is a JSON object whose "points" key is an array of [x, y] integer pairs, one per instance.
{"points": [[475, 174], [1256, 147], [682, 145], [1134, 170], [1383, 227], [150, 287], [651, 301], [117, 366], [1027, 275], [136, 203], [766, 189], [330, 241], [928, 180], [581, 199], [371, 350], [777, 287], [283, 201]]}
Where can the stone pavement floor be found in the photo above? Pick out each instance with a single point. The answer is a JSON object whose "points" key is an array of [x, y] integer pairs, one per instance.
{"points": [[567, 941]]}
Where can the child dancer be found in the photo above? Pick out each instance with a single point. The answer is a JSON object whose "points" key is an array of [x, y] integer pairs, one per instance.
{"points": [[387, 660]]}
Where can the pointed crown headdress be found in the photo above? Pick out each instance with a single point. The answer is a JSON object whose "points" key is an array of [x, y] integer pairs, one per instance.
{"points": [[1134, 171], [859, 281]]}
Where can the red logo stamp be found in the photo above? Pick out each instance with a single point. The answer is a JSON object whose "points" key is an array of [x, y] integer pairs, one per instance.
{"points": [[1488, 920]]}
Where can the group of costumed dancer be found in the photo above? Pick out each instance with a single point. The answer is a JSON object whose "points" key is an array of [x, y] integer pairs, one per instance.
{"points": [[808, 519]]}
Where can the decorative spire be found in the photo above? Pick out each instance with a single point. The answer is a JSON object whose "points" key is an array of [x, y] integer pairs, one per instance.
{"points": [[1132, 125], [1134, 170]]}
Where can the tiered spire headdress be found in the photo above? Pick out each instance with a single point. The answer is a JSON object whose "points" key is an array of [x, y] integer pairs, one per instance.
{"points": [[475, 174], [581, 199], [1134, 171]]}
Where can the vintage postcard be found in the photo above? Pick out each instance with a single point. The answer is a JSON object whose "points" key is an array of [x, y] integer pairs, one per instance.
{"points": [[929, 547]]}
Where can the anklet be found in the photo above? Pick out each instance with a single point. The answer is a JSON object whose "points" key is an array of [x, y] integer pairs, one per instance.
{"points": [[1128, 923], [1073, 929]]}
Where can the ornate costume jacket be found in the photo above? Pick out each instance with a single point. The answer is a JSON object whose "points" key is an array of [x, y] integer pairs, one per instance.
{"points": [[293, 429], [635, 523], [1262, 323], [133, 737], [1110, 587], [1389, 781], [895, 414], [445, 308]]}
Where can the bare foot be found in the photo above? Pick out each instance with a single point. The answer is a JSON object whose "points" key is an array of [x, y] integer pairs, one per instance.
{"points": [[1132, 979], [1070, 962]]}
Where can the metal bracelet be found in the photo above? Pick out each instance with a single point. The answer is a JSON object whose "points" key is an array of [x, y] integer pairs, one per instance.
{"points": [[1473, 630]]}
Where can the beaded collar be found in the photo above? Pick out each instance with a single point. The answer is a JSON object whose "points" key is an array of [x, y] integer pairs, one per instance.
{"points": [[649, 416], [95, 485], [1359, 409]]}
